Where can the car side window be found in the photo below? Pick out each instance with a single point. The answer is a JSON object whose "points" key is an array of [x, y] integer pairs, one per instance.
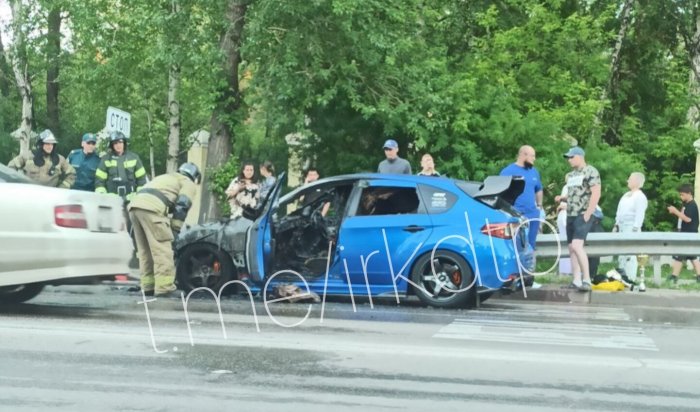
{"points": [[436, 200], [377, 201]]}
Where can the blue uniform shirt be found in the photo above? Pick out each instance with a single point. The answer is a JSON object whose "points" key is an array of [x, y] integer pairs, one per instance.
{"points": [[526, 203], [85, 167]]}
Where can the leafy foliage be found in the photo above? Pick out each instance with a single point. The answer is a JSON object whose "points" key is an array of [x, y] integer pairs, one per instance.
{"points": [[468, 81]]}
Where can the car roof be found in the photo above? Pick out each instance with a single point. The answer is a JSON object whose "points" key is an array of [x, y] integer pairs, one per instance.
{"points": [[382, 176], [442, 182]]}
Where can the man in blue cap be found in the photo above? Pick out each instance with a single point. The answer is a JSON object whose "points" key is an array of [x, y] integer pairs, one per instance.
{"points": [[393, 164], [582, 199], [85, 162]]}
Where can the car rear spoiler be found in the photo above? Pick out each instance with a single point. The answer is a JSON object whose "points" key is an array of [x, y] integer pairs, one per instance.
{"points": [[507, 188]]}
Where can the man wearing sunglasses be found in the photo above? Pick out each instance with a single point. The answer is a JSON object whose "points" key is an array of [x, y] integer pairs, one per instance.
{"points": [[85, 161]]}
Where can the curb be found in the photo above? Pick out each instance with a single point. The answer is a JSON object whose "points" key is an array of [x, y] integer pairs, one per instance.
{"points": [[548, 294], [652, 297]]}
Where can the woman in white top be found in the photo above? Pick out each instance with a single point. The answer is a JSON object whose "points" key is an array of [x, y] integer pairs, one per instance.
{"points": [[630, 218], [243, 192]]}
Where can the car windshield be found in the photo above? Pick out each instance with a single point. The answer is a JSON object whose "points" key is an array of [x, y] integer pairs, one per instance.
{"points": [[8, 175]]}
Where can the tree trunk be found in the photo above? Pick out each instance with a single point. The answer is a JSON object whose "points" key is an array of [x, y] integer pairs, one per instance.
{"points": [[612, 90], [4, 71], [221, 135], [52, 56], [174, 112], [173, 91], [22, 79], [151, 146], [693, 48]]}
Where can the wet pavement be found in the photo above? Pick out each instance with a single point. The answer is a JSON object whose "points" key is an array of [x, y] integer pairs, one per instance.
{"points": [[91, 348]]}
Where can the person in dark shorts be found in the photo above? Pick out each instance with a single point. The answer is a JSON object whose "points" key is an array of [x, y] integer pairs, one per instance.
{"points": [[688, 223], [583, 188]]}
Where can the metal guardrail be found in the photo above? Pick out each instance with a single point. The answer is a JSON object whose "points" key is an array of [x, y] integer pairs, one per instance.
{"points": [[654, 244]]}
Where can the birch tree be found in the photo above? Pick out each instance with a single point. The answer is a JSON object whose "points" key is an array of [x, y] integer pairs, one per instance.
{"points": [[689, 24], [173, 89], [612, 90], [20, 67], [53, 52]]}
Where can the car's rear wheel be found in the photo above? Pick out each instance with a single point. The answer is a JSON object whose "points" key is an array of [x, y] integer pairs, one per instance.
{"points": [[204, 265], [19, 293], [447, 286]]}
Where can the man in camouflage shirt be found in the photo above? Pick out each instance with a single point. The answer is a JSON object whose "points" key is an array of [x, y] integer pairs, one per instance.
{"points": [[583, 195]]}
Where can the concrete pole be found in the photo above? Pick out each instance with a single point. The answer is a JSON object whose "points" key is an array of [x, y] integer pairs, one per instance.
{"points": [[197, 155], [294, 164], [294, 168]]}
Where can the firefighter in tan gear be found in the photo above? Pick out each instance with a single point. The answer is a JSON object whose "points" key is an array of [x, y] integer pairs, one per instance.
{"points": [[157, 213], [44, 165]]}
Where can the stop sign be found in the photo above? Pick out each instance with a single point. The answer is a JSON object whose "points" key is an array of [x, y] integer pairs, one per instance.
{"points": [[118, 121]]}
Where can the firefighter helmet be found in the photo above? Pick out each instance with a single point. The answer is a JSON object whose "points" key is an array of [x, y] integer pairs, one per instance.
{"points": [[115, 136], [47, 137], [190, 170]]}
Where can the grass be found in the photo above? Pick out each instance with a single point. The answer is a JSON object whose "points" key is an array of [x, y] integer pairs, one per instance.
{"points": [[687, 280]]}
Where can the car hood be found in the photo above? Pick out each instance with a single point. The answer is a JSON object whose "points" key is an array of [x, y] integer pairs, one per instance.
{"points": [[228, 234]]}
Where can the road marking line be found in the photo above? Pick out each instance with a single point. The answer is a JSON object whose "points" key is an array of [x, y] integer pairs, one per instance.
{"points": [[540, 333]]}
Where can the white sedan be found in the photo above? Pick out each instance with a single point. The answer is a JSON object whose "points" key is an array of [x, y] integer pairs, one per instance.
{"points": [[54, 236]]}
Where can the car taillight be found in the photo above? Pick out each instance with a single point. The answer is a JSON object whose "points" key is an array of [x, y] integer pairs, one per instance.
{"points": [[70, 216], [500, 230]]}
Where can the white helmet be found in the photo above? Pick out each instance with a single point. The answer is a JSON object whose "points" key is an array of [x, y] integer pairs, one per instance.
{"points": [[47, 137]]}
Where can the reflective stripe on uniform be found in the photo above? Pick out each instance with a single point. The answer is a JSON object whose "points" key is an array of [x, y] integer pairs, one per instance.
{"points": [[100, 189], [101, 174], [130, 164], [140, 173], [110, 163]]}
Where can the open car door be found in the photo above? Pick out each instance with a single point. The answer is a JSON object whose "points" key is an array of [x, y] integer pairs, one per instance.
{"points": [[259, 244]]}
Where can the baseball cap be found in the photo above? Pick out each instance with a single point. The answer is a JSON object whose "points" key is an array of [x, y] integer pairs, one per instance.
{"points": [[574, 151], [391, 144], [89, 137]]}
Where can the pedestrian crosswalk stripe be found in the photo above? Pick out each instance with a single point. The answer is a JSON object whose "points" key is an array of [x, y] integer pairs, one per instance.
{"points": [[541, 333], [542, 312]]}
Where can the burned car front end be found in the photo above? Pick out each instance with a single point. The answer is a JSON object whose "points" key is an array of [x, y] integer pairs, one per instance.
{"points": [[211, 254]]}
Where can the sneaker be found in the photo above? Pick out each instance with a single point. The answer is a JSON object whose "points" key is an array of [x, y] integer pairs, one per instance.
{"points": [[571, 286], [585, 287]]}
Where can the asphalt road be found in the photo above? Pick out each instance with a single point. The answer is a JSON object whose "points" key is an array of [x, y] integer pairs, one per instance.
{"points": [[91, 349]]}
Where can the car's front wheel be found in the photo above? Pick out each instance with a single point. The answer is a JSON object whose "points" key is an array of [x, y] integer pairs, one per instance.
{"points": [[204, 265], [19, 293], [445, 281]]}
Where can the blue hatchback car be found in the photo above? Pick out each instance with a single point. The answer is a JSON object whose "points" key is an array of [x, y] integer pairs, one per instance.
{"points": [[452, 243]]}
